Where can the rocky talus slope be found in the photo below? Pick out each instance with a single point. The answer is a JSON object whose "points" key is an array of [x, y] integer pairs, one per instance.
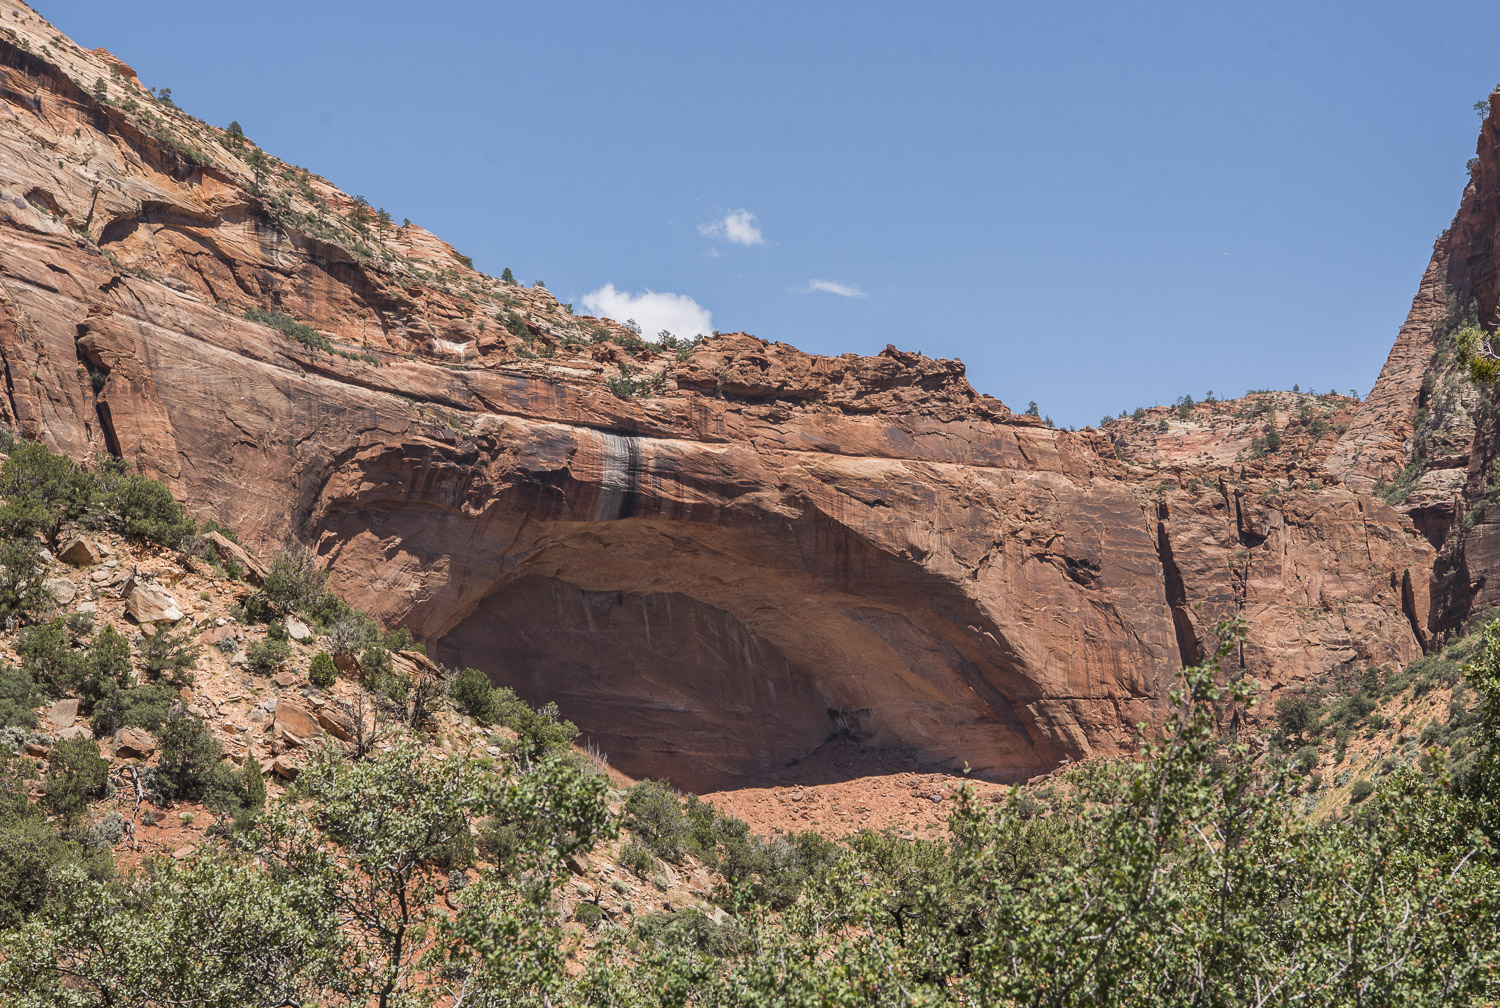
{"points": [[714, 556]]}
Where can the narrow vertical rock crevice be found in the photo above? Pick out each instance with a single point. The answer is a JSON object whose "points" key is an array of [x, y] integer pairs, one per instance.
{"points": [[1189, 649]]}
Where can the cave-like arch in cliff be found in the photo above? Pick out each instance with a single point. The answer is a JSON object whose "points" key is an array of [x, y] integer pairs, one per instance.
{"points": [[698, 629]]}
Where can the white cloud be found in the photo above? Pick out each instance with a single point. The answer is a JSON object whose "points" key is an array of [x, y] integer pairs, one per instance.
{"points": [[833, 287], [653, 310], [738, 227]]}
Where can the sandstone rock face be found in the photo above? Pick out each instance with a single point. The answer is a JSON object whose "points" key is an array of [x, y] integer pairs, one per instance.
{"points": [[713, 558], [1427, 438]]}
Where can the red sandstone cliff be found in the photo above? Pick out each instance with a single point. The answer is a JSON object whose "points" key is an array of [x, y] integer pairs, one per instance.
{"points": [[759, 550], [1427, 439]]}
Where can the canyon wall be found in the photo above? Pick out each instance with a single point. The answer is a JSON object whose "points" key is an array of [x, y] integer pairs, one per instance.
{"points": [[714, 556]]}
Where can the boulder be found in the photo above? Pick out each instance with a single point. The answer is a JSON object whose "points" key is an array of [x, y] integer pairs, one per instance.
{"points": [[62, 714], [214, 634], [298, 630], [134, 743], [285, 678], [255, 571], [77, 731], [149, 603], [295, 721], [336, 723], [80, 552], [62, 590], [284, 768]]}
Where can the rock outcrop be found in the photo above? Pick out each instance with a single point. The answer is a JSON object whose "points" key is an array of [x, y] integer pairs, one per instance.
{"points": [[713, 556], [1427, 438]]}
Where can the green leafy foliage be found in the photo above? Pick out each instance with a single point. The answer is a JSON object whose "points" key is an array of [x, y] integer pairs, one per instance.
{"points": [[539, 731], [142, 509], [1296, 720], [144, 706], [321, 671], [18, 696], [472, 693], [21, 575], [76, 774], [188, 765], [653, 812], [42, 490], [1474, 349], [288, 326], [36, 859], [1185, 877], [267, 655], [171, 655]]}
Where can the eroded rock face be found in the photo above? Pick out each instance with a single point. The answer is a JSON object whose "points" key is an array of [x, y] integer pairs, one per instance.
{"points": [[1427, 438], [764, 549]]}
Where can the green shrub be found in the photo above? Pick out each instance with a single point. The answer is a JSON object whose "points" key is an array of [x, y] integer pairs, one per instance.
{"points": [[21, 575], [171, 655], [402, 639], [1296, 719], [105, 668], [189, 756], [252, 786], [18, 697], [142, 509], [770, 871], [473, 694], [240, 794], [76, 773], [294, 580], [32, 856], [46, 651], [636, 859], [1351, 710], [288, 326], [590, 915], [381, 675], [42, 491], [539, 731], [499, 841], [267, 656], [145, 706], [653, 812], [321, 671], [1361, 790], [691, 929]]}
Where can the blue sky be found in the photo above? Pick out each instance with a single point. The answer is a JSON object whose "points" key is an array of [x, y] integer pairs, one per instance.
{"points": [[1094, 205]]}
